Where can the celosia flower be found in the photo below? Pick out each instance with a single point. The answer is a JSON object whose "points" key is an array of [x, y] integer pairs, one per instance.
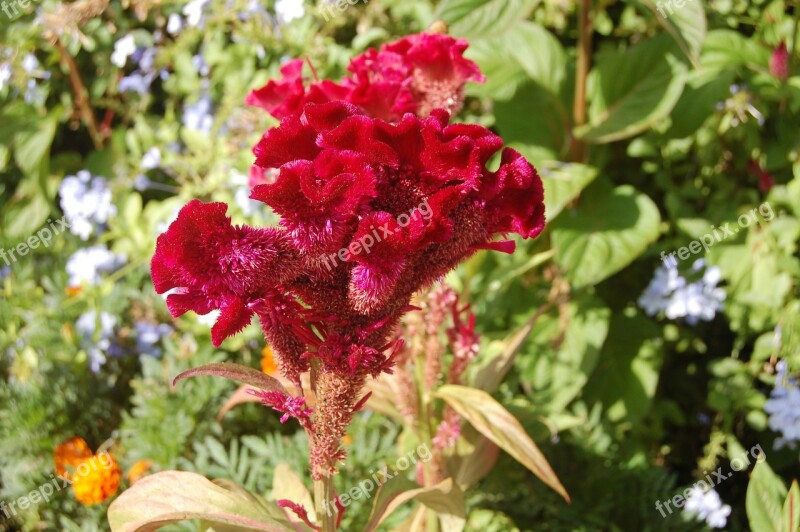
{"points": [[371, 212], [779, 62], [216, 265], [289, 406], [96, 479], [416, 74]]}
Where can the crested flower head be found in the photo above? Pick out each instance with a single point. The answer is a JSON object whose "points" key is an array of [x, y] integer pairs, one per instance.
{"points": [[416, 74], [216, 265]]}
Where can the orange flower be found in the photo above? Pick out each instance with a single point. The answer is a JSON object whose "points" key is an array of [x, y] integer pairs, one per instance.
{"points": [[268, 364], [69, 455], [73, 291], [96, 479], [138, 470]]}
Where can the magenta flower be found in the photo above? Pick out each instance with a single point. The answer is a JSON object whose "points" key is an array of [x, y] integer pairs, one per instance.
{"points": [[416, 74], [779, 62], [290, 406]]}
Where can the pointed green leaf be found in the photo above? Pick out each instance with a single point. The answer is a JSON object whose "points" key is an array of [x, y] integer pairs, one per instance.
{"points": [[791, 509], [492, 420], [605, 234], [444, 498], [482, 18], [172, 496], [765, 495], [632, 90]]}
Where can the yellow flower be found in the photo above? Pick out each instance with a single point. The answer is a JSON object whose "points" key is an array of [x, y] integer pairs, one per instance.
{"points": [[96, 479], [138, 470], [268, 364]]}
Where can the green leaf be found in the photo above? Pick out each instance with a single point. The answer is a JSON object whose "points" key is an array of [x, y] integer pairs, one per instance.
{"points": [[687, 25], [562, 184], [605, 234], [791, 509], [33, 145], [444, 498], [765, 496], [699, 99], [548, 65], [632, 90], [492, 420], [173, 496], [626, 377], [235, 372], [535, 122], [725, 49], [557, 362], [482, 18]]}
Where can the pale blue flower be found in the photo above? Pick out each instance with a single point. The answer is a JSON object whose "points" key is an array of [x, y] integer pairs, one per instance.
{"points": [[87, 265], [123, 49], [86, 202]]}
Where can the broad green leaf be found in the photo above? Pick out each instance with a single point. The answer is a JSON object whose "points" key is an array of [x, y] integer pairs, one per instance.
{"points": [[492, 420], [791, 510], [444, 498], [632, 90], [556, 362], [482, 18], [547, 66], [687, 25], [765, 496], [25, 219], [234, 372], [535, 122], [605, 234], [563, 182], [172, 496], [504, 75], [32, 146], [725, 49], [699, 99], [626, 376]]}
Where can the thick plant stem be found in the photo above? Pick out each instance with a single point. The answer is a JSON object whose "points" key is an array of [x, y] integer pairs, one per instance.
{"points": [[324, 505], [579, 149]]}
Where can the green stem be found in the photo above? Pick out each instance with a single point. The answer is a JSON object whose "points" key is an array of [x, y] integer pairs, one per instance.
{"points": [[323, 501], [579, 149]]}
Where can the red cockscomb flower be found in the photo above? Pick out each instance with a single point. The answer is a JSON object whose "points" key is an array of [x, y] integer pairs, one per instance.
{"points": [[416, 74], [212, 264], [371, 212]]}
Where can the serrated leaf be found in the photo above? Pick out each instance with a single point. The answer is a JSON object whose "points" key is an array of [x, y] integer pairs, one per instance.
{"points": [[172, 496], [605, 234], [632, 90], [491, 419], [764, 499], [235, 372], [482, 18]]}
